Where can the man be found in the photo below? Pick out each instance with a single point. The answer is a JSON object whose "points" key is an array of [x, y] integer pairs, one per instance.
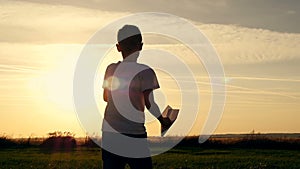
{"points": [[128, 88]]}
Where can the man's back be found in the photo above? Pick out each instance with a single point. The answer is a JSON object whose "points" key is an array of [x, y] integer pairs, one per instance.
{"points": [[126, 81]]}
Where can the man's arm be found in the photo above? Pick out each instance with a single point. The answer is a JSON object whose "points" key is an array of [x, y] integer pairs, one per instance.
{"points": [[105, 93], [153, 107], [106, 84]]}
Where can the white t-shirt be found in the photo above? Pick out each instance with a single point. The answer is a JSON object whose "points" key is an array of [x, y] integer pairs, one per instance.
{"points": [[125, 82]]}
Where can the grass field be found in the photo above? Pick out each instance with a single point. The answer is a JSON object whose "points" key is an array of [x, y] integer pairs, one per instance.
{"points": [[254, 151], [184, 157]]}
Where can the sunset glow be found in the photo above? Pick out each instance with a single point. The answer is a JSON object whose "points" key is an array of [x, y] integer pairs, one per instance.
{"points": [[41, 42]]}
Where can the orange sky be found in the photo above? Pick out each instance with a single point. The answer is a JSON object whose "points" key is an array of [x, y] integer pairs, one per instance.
{"points": [[39, 51]]}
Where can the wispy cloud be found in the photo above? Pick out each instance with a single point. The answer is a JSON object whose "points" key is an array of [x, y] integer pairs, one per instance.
{"points": [[263, 79], [237, 44], [267, 14], [19, 69], [44, 23], [54, 23]]}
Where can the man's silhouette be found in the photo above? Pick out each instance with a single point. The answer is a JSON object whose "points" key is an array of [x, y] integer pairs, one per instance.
{"points": [[128, 88]]}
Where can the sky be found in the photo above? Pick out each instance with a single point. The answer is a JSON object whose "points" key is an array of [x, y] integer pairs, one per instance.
{"points": [[258, 43]]}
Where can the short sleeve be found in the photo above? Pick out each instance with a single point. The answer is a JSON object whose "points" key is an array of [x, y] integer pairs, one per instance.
{"points": [[148, 80]]}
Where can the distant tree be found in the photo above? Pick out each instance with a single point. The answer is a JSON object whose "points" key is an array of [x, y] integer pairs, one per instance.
{"points": [[59, 141], [88, 142], [7, 143]]}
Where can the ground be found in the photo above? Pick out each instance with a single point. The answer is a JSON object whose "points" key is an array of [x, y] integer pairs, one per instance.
{"points": [[183, 157]]}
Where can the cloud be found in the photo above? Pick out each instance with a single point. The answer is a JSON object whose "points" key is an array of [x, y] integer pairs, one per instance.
{"points": [[267, 14], [67, 23], [237, 44], [291, 12], [28, 22]]}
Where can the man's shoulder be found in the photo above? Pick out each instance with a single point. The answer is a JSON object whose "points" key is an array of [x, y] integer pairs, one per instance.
{"points": [[146, 71], [130, 66], [135, 66], [112, 65], [144, 66]]}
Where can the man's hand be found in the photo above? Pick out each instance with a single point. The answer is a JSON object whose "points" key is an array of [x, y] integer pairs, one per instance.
{"points": [[165, 123], [154, 110]]}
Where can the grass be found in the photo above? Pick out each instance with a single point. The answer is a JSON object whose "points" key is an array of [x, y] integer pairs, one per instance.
{"points": [[250, 152], [184, 157], [228, 158], [35, 158]]}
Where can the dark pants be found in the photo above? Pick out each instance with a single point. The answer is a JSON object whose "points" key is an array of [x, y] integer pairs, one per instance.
{"points": [[113, 161]]}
